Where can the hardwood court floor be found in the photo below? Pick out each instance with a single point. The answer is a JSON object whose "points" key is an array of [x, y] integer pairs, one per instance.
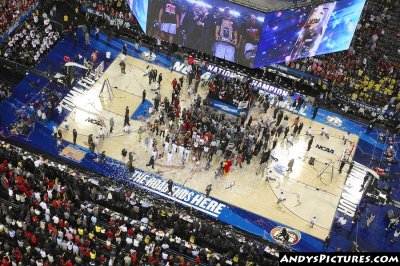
{"points": [[307, 194]]}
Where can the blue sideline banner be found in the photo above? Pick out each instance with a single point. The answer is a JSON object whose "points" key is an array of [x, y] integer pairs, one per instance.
{"points": [[18, 23], [252, 223], [226, 108], [211, 206]]}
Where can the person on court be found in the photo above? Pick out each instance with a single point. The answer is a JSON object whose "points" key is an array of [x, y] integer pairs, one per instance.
{"points": [[281, 198], [310, 142]]}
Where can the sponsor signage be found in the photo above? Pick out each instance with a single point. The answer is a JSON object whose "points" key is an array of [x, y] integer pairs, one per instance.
{"points": [[212, 69], [351, 194], [180, 194], [323, 148], [293, 238], [230, 109]]}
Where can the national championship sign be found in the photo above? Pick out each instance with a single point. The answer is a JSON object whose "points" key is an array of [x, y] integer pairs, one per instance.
{"points": [[212, 69]]}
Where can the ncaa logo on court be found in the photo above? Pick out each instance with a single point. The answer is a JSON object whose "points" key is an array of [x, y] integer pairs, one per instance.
{"points": [[293, 236], [323, 148]]}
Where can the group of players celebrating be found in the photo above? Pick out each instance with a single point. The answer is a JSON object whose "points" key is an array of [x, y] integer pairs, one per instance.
{"points": [[218, 31]]}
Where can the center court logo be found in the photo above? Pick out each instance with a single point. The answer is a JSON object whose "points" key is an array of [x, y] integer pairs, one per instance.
{"points": [[294, 236]]}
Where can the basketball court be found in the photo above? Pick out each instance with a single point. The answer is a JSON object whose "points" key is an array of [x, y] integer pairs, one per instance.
{"points": [[310, 190]]}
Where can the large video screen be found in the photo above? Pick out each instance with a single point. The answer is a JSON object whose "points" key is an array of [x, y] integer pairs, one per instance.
{"points": [[139, 9], [220, 28], [308, 31]]}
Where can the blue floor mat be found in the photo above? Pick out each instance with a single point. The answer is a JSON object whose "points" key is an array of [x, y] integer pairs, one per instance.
{"points": [[142, 112]]}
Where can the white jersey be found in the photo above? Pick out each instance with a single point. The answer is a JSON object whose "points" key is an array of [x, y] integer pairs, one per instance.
{"points": [[166, 146], [180, 152], [169, 158], [174, 148]]}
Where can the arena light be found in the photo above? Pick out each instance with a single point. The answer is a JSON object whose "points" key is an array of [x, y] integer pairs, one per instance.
{"points": [[275, 5], [200, 3], [237, 14], [233, 12]]}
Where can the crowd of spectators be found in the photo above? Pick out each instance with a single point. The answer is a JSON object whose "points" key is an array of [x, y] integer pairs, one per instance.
{"points": [[113, 11], [54, 215], [359, 76], [110, 15], [10, 11], [368, 71], [32, 41], [231, 90], [5, 90]]}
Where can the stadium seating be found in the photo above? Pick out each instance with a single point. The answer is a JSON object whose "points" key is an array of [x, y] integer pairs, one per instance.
{"points": [[54, 215], [31, 41], [372, 81], [11, 10], [5, 90], [368, 71]]}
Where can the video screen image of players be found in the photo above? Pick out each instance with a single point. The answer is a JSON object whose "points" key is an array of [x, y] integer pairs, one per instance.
{"points": [[139, 9], [223, 29], [308, 31]]}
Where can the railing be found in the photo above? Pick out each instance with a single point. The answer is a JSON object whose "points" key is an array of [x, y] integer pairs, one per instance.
{"points": [[12, 65], [20, 68], [59, 27]]}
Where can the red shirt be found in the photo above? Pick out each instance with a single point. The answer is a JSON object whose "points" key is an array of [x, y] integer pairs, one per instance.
{"points": [[5, 262], [77, 240], [61, 223], [87, 253], [190, 60], [134, 258], [35, 219], [131, 232], [20, 180], [33, 239], [5, 182], [82, 250]]}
